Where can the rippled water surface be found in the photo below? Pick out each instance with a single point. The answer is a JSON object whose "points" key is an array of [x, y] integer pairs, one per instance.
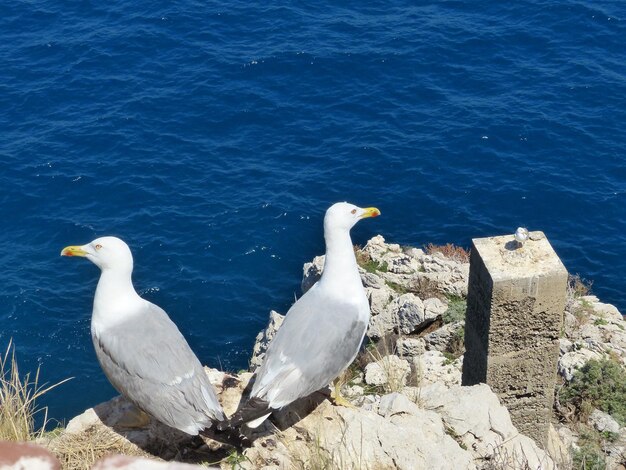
{"points": [[212, 136]]}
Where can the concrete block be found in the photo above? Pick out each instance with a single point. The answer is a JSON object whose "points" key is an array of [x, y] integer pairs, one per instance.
{"points": [[515, 305]]}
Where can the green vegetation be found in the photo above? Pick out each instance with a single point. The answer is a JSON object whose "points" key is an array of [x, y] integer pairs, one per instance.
{"points": [[598, 384], [456, 309], [600, 321], [364, 260], [400, 289], [450, 358], [589, 456], [235, 459]]}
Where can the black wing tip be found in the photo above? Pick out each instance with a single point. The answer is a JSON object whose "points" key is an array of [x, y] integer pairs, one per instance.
{"points": [[254, 408]]}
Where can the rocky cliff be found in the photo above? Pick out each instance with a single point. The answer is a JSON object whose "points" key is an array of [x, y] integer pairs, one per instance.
{"points": [[409, 409]]}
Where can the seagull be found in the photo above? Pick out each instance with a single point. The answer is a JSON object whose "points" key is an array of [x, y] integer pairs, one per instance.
{"points": [[521, 235], [322, 332], [140, 350]]}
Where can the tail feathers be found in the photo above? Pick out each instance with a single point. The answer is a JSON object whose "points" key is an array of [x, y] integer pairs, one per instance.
{"points": [[251, 413]]}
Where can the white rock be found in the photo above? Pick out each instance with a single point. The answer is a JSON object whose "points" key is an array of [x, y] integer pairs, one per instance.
{"points": [[372, 280], [603, 422], [574, 360], [434, 307], [382, 324], [589, 331], [565, 345], [396, 403], [441, 339], [476, 417], [379, 298], [603, 310], [390, 370], [409, 347], [432, 366], [411, 313]]}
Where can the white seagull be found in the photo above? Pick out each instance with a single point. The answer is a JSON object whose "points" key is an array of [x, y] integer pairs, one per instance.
{"points": [[322, 332], [140, 350]]}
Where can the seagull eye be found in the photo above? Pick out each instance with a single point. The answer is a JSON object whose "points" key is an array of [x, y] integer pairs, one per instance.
{"points": [[353, 211], [98, 246]]}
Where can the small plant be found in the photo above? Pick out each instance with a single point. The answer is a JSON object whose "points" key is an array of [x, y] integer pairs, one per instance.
{"points": [[600, 322], [450, 358], [425, 288], [589, 455], [18, 397], [577, 286], [399, 288], [235, 459], [453, 252], [456, 309], [598, 384]]}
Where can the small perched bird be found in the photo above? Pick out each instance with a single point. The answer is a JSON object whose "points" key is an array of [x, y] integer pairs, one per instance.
{"points": [[521, 235], [140, 349], [322, 332]]}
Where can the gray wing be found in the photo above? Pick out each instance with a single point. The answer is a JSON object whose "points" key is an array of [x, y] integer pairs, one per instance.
{"points": [[318, 339], [148, 361]]}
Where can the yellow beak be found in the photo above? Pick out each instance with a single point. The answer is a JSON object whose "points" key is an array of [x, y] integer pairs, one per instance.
{"points": [[73, 251], [370, 212]]}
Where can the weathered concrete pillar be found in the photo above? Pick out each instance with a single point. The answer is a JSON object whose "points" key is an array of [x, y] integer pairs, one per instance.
{"points": [[515, 304]]}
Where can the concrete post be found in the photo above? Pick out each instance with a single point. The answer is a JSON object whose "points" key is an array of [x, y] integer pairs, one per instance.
{"points": [[515, 304]]}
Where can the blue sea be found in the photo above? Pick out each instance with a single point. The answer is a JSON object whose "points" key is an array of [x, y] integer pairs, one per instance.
{"points": [[212, 136]]}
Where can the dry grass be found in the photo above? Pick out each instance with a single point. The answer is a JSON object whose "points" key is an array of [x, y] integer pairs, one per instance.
{"points": [[18, 397], [577, 287], [80, 451], [450, 251], [426, 288]]}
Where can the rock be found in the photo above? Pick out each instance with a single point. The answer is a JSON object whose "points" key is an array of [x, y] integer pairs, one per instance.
{"points": [[606, 311], [434, 307], [390, 370], [477, 419], [338, 437], [379, 298], [603, 422], [372, 280], [558, 448], [410, 347], [442, 339], [263, 339], [311, 273], [26, 456], [433, 366], [591, 333], [574, 360], [396, 403], [565, 345], [570, 326], [125, 462], [411, 313]]}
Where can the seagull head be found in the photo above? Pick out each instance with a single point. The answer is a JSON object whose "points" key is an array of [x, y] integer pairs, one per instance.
{"points": [[108, 253], [343, 216]]}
